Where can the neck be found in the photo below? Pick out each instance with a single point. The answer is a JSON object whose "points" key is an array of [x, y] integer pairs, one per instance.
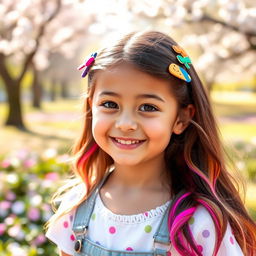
{"points": [[150, 175]]}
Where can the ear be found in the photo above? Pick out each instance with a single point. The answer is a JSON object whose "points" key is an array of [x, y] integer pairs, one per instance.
{"points": [[183, 119]]}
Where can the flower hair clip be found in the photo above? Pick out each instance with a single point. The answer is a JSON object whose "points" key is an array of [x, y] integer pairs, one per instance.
{"points": [[183, 58], [87, 64]]}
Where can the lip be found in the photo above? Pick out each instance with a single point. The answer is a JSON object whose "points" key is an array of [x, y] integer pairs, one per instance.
{"points": [[126, 146]]}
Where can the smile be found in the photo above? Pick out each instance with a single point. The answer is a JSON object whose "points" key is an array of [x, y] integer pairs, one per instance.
{"points": [[127, 143]]}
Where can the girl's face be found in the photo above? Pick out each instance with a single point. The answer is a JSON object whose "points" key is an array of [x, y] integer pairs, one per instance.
{"points": [[133, 115]]}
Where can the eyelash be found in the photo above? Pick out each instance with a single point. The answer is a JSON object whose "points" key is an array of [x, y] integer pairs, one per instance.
{"points": [[107, 103]]}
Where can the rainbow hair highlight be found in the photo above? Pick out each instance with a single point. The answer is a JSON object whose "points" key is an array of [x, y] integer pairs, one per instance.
{"points": [[87, 154]]}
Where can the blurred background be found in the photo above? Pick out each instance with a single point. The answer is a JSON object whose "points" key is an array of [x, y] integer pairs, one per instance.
{"points": [[41, 44]]}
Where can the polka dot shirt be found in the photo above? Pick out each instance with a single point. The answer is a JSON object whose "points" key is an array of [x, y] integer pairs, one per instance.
{"points": [[113, 231]]}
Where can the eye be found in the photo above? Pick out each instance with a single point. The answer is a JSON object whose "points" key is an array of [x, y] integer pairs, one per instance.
{"points": [[109, 104], [148, 108]]}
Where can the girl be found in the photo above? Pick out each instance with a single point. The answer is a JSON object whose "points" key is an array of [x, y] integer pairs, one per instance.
{"points": [[151, 173]]}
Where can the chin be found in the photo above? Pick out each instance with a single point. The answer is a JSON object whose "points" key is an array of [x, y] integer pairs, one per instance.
{"points": [[126, 162]]}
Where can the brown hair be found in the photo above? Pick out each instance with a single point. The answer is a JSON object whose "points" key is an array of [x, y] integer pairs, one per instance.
{"points": [[195, 158]]}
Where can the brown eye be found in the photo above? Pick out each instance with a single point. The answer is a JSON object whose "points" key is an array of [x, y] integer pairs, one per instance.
{"points": [[148, 108], [109, 104]]}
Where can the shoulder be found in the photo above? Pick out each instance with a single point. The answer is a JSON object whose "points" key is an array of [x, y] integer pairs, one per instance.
{"points": [[71, 196], [204, 232], [60, 230]]}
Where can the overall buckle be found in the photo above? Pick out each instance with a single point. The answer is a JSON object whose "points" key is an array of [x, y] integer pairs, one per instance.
{"points": [[80, 235]]}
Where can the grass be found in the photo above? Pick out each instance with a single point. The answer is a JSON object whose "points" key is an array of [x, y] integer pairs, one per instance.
{"points": [[238, 131], [57, 125]]}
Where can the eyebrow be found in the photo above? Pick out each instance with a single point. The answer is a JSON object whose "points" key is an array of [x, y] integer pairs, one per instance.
{"points": [[141, 96]]}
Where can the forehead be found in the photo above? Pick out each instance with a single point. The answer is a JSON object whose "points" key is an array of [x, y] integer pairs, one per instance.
{"points": [[127, 80]]}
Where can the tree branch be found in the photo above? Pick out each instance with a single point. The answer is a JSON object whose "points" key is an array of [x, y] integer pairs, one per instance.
{"points": [[40, 34], [206, 17]]}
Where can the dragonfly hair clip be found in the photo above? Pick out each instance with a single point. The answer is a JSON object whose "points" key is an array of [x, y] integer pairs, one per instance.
{"points": [[87, 64]]}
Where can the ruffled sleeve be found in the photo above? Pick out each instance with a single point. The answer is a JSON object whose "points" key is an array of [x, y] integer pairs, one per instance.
{"points": [[60, 232], [203, 230]]}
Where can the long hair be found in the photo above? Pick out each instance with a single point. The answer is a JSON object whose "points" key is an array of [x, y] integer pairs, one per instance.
{"points": [[195, 158]]}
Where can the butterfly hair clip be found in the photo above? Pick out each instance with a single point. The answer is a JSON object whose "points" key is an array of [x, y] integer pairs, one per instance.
{"points": [[87, 64]]}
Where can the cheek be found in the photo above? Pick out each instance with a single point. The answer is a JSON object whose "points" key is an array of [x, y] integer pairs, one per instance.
{"points": [[100, 124], [158, 129]]}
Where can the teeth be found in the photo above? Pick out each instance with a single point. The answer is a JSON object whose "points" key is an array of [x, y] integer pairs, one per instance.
{"points": [[127, 142]]}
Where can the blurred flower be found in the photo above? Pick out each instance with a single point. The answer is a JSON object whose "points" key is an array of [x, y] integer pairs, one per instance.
{"points": [[29, 163], [18, 207], [63, 158], [22, 154], [40, 240], [6, 163], [15, 162], [10, 196], [16, 249], [53, 176], [12, 178], [5, 205], [36, 200], [14, 231], [10, 219], [2, 228], [24, 197], [3, 213], [49, 153], [33, 214]]}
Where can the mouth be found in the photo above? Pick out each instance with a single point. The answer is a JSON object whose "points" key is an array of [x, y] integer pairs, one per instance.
{"points": [[127, 143]]}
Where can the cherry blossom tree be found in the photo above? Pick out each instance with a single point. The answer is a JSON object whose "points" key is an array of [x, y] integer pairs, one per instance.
{"points": [[221, 33], [29, 32]]}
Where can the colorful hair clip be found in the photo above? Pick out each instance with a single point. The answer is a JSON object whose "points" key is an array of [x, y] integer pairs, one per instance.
{"points": [[87, 64], [179, 72], [183, 57]]}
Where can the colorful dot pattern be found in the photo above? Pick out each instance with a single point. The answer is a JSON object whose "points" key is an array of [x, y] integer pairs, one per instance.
{"points": [[206, 234], [143, 232]]}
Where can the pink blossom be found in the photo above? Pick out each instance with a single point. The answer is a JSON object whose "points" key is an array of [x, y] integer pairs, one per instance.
{"points": [[2, 228], [6, 163], [22, 154], [5, 205], [53, 176], [29, 163], [40, 239], [33, 214], [10, 196]]}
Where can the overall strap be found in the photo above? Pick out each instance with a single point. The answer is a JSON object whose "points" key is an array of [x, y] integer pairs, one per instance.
{"points": [[85, 209], [83, 214], [162, 236]]}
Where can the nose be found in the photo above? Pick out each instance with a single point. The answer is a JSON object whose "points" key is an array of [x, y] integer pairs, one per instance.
{"points": [[126, 122]]}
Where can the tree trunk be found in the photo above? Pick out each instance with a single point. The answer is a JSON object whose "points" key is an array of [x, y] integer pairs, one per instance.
{"points": [[64, 89], [14, 116], [36, 90], [53, 90]]}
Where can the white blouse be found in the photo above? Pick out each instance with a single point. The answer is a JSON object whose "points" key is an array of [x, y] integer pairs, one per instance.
{"points": [[135, 232]]}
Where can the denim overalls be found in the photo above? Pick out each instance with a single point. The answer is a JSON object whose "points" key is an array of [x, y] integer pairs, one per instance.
{"points": [[84, 247]]}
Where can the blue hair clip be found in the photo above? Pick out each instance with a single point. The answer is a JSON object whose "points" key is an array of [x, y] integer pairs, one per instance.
{"points": [[87, 64]]}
